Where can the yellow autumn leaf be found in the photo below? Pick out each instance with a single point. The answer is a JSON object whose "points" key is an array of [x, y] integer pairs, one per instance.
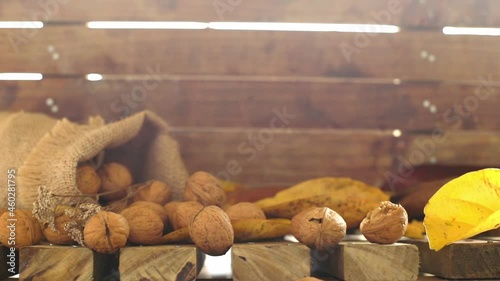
{"points": [[350, 198], [464, 207]]}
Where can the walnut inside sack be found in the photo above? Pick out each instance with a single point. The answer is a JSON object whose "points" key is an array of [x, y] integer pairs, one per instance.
{"points": [[87, 179], [115, 178]]}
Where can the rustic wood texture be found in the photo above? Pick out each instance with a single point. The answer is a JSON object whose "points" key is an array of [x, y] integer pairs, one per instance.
{"points": [[239, 102], [474, 148], [289, 156], [44, 262], [406, 13], [222, 52], [8, 264], [270, 261], [463, 260], [282, 157], [158, 263], [359, 261]]}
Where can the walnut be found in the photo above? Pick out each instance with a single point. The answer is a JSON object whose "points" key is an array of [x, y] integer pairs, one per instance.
{"points": [[159, 210], [106, 232], [319, 228], [386, 224], [155, 191], [114, 177], [170, 208], [204, 188], [58, 236], [211, 231], [184, 213], [146, 226], [245, 210], [24, 231], [87, 179]]}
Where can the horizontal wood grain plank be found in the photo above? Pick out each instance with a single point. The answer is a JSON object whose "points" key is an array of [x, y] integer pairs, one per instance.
{"points": [[454, 148], [219, 102], [266, 157], [406, 13], [311, 54], [282, 157]]}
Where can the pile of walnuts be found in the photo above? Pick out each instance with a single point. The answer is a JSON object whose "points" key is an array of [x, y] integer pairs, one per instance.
{"points": [[151, 217], [142, 214]]}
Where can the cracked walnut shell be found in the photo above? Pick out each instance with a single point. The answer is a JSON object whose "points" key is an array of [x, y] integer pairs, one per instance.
{"points": [[204, 188], [211, 231], [319, 228], [106, 232], [386, 224]]}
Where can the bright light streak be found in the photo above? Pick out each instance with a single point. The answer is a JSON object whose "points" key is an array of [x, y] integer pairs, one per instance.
{"points": [[256, 26], [316, 27], [146, 25], [21, 76], [490, 31], [93, 77], [21, 24]]}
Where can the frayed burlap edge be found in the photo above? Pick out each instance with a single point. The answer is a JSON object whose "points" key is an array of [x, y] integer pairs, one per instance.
{"points": [[54, 159]]}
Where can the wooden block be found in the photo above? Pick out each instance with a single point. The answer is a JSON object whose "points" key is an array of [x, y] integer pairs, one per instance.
{"points": [[48, 262], [463, 260], [359, 261], [270, 261], [164, 262], [8, 265]]}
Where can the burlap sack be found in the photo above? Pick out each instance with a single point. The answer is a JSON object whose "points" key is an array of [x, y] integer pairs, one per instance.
{"points": [[46, 152]]}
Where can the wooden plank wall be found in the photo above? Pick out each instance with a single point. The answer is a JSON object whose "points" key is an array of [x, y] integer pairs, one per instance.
{"points": [[341, 100]]}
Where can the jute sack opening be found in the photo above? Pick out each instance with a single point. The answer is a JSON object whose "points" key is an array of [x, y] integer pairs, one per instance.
{"points": [[46, 151]]}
